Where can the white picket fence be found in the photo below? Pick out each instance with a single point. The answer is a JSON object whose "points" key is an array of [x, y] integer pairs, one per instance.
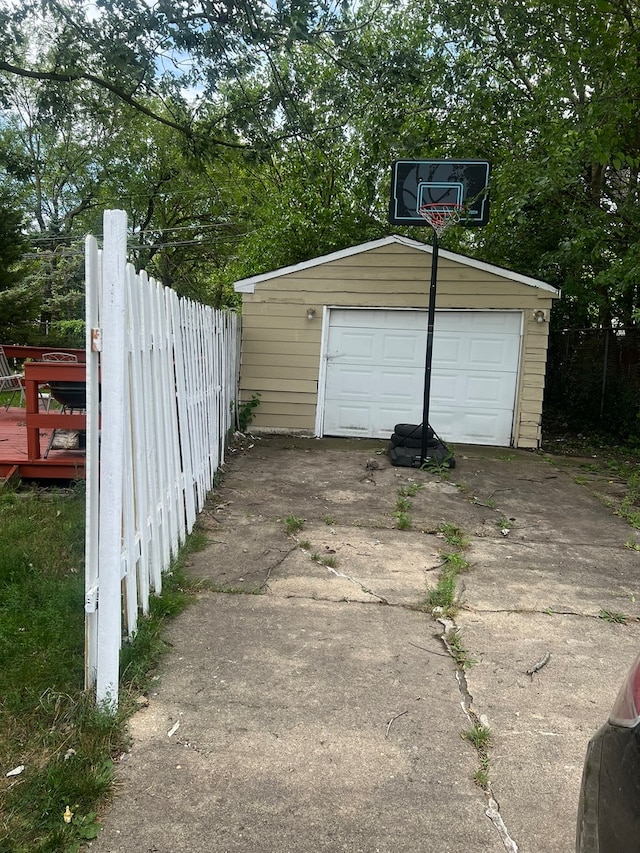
{"points": [[162, 379]]}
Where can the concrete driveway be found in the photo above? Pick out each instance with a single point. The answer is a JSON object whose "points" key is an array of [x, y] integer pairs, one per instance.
{"points": [[310, 701]]}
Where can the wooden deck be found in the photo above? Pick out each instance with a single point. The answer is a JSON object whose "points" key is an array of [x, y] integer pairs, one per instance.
{"points": [[25, 432], [14, 458]]}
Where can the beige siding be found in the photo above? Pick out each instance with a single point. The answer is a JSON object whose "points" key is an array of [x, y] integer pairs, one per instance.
{"points": [[281, 347]]}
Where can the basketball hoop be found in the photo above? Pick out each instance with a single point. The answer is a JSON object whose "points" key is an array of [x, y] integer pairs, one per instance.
{"points": [[441, 215]]}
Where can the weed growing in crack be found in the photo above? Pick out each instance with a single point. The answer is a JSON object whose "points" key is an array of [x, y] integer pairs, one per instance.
{"points": [[409, 491], [329, 520], [504, 524], [613, 616], [329, 561], [455, 562], [293, 524], [453, 535], [442, 598], [632, 544], [443, 595], [478, 735], [304, 545], [403, 505], [459, 652], [481, 776], [235, 590]]}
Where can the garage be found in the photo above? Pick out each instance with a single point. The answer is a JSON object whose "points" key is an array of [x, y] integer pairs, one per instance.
{"points": [[374, 373], [336, 345]]}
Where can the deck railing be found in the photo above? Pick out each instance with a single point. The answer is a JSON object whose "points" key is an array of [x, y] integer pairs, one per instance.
{"points": [[157, 420]]}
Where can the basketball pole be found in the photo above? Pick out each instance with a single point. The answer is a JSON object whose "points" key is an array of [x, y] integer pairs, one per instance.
{"points": [[429, 354]]}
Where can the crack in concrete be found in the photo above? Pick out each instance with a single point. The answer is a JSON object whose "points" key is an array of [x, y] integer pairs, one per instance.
{"points": [[364, 589], [466, 703], [546, 612]]}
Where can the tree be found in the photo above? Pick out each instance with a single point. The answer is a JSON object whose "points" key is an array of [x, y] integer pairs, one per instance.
{"points": [[19, 297], [549, 92]]}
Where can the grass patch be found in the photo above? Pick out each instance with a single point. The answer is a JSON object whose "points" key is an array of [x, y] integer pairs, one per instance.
{"points": [[478, 735], [453, 535], [458, 650], [443, 595], [409, 491], [293, 524], [455, 562], [329, 520], [329, 561], [403, 519], [613, 616], [47, 722], [403, 504]]}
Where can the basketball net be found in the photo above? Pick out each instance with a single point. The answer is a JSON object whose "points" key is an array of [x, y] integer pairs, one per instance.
{"points": [[440, 216]]}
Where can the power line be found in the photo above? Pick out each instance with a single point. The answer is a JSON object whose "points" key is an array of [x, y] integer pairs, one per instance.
{"points": [[139, 247], [163, 229]]}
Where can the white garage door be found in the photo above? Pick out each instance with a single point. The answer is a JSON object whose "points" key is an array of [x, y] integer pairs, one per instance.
{"points": [[374, 375]]}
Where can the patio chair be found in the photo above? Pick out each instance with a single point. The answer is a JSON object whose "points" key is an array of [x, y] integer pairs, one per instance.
{"points": [[10, 380]]}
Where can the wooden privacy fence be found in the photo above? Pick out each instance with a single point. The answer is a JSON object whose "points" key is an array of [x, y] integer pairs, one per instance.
{"points": [[162, 376]]}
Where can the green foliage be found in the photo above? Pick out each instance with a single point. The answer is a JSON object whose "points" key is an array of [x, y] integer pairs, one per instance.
{"points": [[293, 524], [478, 735], [403, 519], [48, 723], [246, 410], [280, 161], [442, 597], [454, 562], [409, 491], [453, 535], [613, 616], [458, 649]]}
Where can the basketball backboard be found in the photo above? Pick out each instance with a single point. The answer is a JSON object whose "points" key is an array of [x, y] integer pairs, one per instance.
{"points": [[441, 185]]}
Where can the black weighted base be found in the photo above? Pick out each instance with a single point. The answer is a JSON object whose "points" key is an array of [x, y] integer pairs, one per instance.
{"points": [[413, 431], [410, 441], [409, 457]]}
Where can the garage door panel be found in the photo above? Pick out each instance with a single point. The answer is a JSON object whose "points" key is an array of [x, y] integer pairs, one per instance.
{"points": [[500, 322], [353, 345], [376, 347], [354, 318], [402, 348], [470, 390], [390, 386], [375, 373], [489, 352], [349, 420], [348, 382], [493, 353]]}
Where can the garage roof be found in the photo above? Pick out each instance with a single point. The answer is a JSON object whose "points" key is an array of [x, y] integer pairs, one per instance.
{"points": [[247, 285]]}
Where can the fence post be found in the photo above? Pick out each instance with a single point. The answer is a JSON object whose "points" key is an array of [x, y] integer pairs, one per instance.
{"points": [[114, 258], [93, 269]]}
